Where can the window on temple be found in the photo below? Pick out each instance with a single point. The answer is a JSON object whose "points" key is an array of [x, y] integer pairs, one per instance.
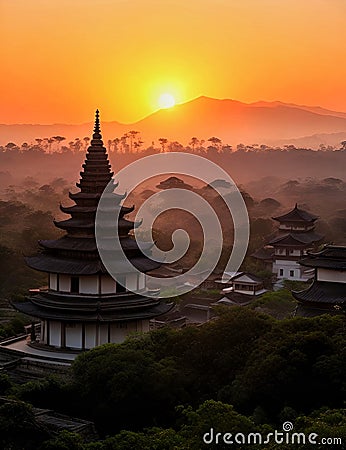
{"points": [[281, 272], [75, 285], [291, 273], [121, 284]]}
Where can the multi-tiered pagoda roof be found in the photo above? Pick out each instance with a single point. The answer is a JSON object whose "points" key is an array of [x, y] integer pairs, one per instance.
{"points": [[297, 215], [294, 237], [327, 293], [75, 254]]}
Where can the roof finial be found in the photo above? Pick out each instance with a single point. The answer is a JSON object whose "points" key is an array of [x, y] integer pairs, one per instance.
{"points": [[296, 207], [97, 122]]}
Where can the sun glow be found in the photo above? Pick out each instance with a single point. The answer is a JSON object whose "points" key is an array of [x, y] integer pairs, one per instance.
{"points": [[166, 101]]}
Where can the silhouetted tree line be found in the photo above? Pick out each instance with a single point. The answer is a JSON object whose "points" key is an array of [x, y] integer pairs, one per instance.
{"points": [[131, 142]]}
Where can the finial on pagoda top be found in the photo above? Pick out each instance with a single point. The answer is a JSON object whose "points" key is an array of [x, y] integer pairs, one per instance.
{"points": [[97, 122], [296, 206]]}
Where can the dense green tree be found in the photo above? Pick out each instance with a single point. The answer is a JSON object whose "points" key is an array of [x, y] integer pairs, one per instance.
{"points": [[292, 364], [19, 429]]}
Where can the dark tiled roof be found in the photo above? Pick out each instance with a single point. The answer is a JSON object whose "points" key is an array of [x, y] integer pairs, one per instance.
{"points": [[330, 257], [264, 253], [322, 292], [48, 263], [296, 215], [309, 311], [249, 275], [240, 299], [88, 244], [93, 310], [297, 238], [89, 222]]}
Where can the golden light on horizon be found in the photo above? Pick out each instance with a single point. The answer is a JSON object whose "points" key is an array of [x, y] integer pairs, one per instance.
{"points": [[166, 101], [85, 60]]}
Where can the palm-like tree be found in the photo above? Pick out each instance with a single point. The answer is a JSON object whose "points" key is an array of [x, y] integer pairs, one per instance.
{"points": [[59, 140], [115, 143], [163, 142], [193, 143], [86, 140], [216, 142], [132, 134], [124, 144], [50, 142]]}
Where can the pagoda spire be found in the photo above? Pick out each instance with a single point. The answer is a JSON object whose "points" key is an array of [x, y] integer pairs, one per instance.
{"points": [[97, 130]]}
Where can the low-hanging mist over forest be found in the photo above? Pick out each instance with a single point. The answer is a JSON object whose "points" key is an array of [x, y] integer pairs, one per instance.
{"points": [[35, 179]]}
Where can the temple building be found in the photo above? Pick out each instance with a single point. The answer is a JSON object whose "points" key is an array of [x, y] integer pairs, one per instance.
{"points": [[295, 237], [327, 293], [242, 288], [84, 306]]}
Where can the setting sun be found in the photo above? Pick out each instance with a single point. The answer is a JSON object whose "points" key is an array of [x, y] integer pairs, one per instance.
{"points": [[166, 101]]}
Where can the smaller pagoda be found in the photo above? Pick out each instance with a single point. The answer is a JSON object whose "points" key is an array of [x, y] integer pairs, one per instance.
{"points": [[296, 236], [327, 293]]}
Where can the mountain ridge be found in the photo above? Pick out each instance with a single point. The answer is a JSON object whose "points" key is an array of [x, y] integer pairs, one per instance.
{"points": [[232, 121]]}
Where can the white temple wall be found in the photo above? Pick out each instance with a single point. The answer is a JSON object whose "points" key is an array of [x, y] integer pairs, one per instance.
{"points": [[294, 252], [108, 285], [53, 281], [282, 226], [119, 331], [131, 281], [291, 252], [90, 335], [64, 283], [141, 281], [280, 251], [103, 333], [43, 335], [55, 333], [117, 335], [336, 276], [94, 334], [73, 335], [143, 326], [89, 284], [287, 270]]}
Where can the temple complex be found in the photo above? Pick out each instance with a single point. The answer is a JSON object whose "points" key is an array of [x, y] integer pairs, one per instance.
{"points": [[327, 293], [296, 236], [83, 305]]}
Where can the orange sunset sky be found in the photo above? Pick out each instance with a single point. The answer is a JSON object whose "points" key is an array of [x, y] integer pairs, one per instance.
{"points": [[60, 59]]}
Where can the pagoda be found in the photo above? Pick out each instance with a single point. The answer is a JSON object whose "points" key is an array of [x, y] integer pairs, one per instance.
{"points": [[296, 236], [327, 293], [83, 306]]}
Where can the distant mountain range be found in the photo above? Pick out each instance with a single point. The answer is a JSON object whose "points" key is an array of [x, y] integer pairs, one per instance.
{"points": [[272, 123]]}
